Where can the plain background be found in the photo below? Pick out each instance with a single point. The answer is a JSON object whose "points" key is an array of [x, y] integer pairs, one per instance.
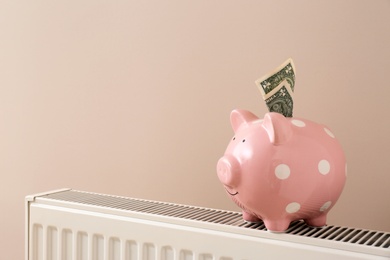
{"points": [[133, 98]]}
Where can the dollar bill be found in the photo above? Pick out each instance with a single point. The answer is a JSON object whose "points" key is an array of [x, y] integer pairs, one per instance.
{"points": [[280, 99], [277, 88]]}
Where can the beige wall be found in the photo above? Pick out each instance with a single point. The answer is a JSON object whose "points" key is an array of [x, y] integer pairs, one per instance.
{"points": [[133, 97]]}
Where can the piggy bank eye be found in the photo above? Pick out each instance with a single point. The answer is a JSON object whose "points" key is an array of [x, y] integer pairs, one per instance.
{"points": [[234, 138], [243, 140]]}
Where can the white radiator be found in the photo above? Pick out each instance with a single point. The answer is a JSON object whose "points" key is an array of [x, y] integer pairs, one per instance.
{"points": [[69, 224]]}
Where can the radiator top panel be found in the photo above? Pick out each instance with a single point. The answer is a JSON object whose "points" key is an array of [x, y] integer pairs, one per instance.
{"points": [[363, 237]]}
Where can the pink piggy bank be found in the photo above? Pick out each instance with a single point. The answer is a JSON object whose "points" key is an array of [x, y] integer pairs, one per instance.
{"points": [[280, 169]]}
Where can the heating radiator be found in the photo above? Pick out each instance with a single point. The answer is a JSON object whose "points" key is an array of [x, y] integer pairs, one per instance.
{"points": [[69, 224]]}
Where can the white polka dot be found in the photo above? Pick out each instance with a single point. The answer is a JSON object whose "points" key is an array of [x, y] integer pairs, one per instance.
{"points": [[324, 167], [298, 123], [293, 207], [325, 206], [282, 171], [329, 132]]}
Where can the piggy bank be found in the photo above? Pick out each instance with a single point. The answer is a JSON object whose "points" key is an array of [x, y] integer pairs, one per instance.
{"points": [[280, 169]]}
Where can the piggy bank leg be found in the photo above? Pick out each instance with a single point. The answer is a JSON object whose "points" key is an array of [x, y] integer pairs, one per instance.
{"points": [[250, 217], [277, 226], [318, 221]]}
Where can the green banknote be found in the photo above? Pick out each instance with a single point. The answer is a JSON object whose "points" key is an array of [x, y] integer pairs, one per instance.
{"points": [[280, 99], [277, 88]]}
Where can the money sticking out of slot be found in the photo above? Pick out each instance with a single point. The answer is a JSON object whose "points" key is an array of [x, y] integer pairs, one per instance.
{"points": [[277, 88]]}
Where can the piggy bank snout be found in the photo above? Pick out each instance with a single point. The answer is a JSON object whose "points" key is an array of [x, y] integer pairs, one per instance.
{"points": [[228, 169]]}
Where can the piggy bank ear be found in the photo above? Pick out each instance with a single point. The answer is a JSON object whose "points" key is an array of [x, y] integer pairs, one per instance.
{"points": [[239, 117], [278, 128]]}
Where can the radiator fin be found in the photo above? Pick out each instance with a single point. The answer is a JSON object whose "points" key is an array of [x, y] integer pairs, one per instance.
{"points": [[167, 253], [97, 247], [186, 255], [206, 257], [38, 241], [82, 246], [131, 250], [67, 244], [298, 228], [52, 242], [149, 251], [114, 248]]}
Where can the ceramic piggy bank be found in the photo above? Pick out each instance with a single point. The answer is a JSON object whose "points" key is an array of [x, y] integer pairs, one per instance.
{"points": [[280, 169]]}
